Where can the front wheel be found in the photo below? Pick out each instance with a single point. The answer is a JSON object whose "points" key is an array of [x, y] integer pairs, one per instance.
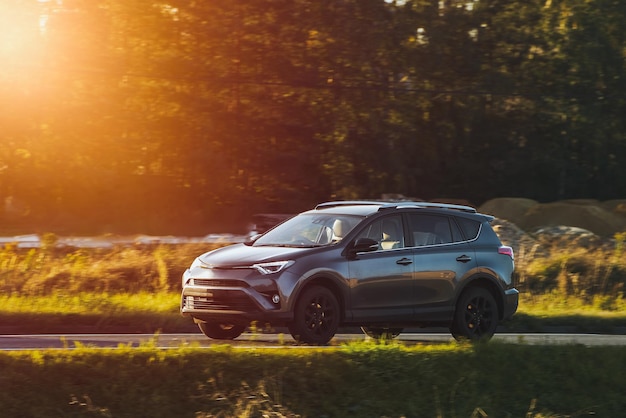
{"points": [[381, 333], [316, 316], [219, 331], [476, 316]]}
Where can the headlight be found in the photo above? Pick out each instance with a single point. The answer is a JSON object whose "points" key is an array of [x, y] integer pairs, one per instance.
{"points": [[272, 267]]}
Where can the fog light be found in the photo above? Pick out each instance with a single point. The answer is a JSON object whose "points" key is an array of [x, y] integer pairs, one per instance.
{"points": [[275, 298]]}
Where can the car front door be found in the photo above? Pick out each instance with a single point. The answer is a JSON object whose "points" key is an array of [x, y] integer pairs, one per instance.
{"points": [[381, 282]]}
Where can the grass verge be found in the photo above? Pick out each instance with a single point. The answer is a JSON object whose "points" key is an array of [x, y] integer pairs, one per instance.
{"points": [[359, 380], [151, 312]]}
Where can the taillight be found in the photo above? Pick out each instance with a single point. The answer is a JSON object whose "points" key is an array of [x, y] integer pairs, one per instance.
{"points": [[506, 250]]}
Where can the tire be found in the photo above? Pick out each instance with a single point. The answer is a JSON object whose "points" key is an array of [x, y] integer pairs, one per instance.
{"points": [[381, 333], [316, 316], [476, 316], [219, 331]]}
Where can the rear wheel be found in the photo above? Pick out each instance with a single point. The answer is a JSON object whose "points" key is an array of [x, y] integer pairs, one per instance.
{"points": [[476, 316], [316, 316], [381, 333], [220, 331]]}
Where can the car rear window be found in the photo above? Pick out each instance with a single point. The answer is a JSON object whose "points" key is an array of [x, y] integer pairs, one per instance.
{"points": [[469, 227]]}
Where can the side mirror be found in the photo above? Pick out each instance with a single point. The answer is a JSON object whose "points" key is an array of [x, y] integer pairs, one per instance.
{"points": [[252, 238], [364, 245]]}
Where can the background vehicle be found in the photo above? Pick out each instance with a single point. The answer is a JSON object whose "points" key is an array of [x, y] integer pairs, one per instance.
{"points": [[262, 222], [379, 265]]}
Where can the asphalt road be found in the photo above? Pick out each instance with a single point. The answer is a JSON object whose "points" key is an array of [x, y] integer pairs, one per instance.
{"points": [[249, 340]]}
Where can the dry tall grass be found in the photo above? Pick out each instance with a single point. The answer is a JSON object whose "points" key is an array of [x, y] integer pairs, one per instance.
{"points": [[590, 273]]}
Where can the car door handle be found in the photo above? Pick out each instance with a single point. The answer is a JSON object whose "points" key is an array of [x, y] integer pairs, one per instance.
{"points": [[404, 261], [464, 258]]}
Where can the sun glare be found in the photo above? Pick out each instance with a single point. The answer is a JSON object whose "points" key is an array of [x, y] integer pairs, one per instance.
{"points": [[23, 25], [20, 30], [46, 7]]}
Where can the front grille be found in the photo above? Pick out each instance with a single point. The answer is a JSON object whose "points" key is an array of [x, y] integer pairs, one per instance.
{"points": [[219, 283], [229, 301]]}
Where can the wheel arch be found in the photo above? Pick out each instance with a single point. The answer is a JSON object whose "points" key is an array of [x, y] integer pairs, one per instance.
{"points": [[488, 284], [331, 284]]}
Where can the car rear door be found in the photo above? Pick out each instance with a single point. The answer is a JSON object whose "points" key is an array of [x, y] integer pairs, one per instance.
{"points": [[441, 257]]}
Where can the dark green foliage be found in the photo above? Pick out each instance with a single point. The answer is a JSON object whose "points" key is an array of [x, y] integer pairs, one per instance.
{"points": [[187, 117]]}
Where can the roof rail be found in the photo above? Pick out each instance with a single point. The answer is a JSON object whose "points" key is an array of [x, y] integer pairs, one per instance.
{"points": [[461, 208], [386, 204], [348, 203]]}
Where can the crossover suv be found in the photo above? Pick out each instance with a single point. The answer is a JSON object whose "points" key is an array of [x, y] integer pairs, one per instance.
{"points": [[378, 265]]}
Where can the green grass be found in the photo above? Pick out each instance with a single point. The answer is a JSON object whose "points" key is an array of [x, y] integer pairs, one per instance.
{"points": [[92, 303], [168, 302], [550, 312], [93, 312], [355, 380], [152, 312]]}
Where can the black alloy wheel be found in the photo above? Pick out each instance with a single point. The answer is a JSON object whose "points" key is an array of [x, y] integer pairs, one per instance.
{"points": [[476, 316], [219, 331], [316, 316]]}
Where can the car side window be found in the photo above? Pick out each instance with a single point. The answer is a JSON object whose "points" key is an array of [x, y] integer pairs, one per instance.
{"points": [[457, 236], [470, 227], [387, 231], [432, 230]]}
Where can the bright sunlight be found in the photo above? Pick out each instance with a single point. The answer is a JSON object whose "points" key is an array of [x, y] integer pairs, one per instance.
{"points": [[22, 30]]}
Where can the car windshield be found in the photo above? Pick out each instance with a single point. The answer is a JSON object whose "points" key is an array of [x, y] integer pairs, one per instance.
{"points": [[309, 230]]}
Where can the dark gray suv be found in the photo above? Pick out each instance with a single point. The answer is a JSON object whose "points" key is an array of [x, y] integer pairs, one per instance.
{"points": [[378, 265]]}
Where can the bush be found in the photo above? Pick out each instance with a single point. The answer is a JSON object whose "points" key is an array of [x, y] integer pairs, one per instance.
{"points": [[574, 271]]}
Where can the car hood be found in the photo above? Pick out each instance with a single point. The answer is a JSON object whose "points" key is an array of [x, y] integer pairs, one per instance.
{"points": [[244, 255]]}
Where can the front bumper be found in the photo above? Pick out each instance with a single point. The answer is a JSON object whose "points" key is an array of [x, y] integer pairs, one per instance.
{"points": [[233, 297]]}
